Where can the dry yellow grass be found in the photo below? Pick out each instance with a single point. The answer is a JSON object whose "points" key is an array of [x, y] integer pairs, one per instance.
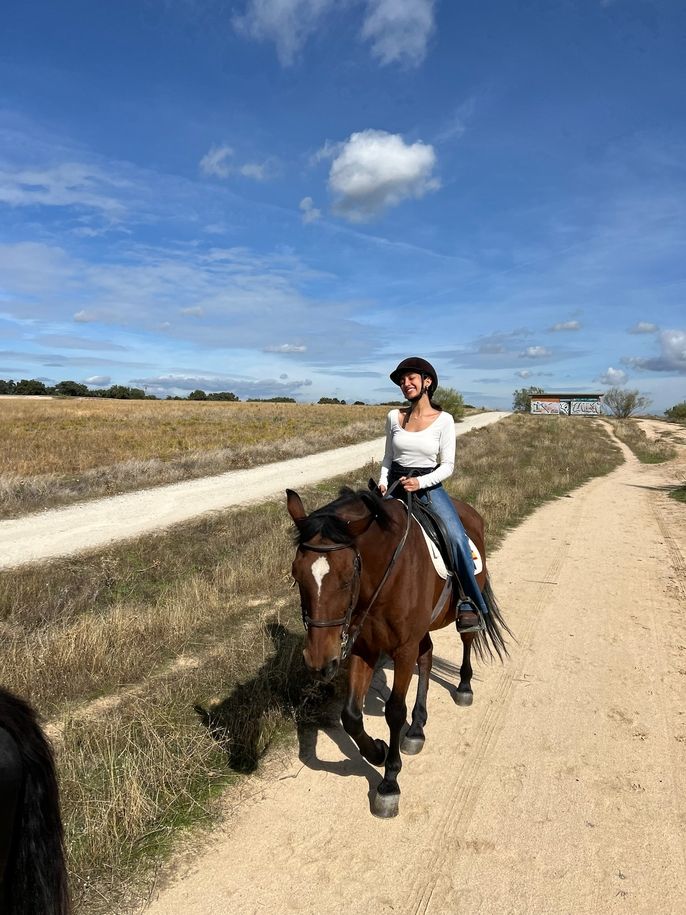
{"points": [[70, 435], [56, 451]]}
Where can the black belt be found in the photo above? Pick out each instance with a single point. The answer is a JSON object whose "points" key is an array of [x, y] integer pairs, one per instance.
{"points": [[397, 470]]}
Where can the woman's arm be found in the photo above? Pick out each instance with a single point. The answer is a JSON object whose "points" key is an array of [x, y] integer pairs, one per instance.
{"points": [[388, 455]]}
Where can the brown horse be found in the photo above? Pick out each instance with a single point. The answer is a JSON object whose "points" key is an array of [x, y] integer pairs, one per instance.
{"points": [[368, 587]]}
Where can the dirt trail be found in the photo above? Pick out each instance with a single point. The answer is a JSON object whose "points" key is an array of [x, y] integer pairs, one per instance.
{"points": [[563, 788], [90, 525]]}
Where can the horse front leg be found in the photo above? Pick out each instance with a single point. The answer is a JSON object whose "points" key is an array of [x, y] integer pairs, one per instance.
{"points": [[413, 741], [359, 678], [463, 695], [387, 797]]}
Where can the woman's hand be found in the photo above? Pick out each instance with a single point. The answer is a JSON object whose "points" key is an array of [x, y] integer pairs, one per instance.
{"points": [[382, 489], [410, 484]]}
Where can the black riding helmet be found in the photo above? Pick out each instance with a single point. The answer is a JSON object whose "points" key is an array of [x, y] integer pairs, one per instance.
{"points": [[419, 365]]}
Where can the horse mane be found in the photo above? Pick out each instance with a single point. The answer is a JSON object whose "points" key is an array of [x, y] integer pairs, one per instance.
{"points": [[328, 523], [35, 879]]}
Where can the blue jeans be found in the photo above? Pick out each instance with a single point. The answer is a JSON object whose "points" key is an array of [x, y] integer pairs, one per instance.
{"points": [[439, 502]]}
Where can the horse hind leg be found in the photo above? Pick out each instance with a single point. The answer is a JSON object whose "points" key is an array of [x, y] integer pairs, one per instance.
{"points": [[463, 695], [413, 741]]}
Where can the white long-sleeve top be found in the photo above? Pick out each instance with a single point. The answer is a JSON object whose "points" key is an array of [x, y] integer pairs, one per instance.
{"points": [[433, 445]]}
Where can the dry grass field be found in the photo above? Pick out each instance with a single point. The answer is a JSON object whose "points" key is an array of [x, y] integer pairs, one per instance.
{"points": [[59, 450], [117, 647]]}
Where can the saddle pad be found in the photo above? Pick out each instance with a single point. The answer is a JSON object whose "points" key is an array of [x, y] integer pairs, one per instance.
{"points": [[437, 559]]}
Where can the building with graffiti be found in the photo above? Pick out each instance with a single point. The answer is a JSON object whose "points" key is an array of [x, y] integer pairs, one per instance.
{"points": [[567, 404]]}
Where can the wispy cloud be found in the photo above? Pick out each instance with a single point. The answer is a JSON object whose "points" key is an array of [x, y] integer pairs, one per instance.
{"points": [[565, 326], [287, 23], [536, 352], [70, 184], [644, 327], [399, 30], [309, 210], [375, 170], [242, 299], [218, 162], [285, 348]]}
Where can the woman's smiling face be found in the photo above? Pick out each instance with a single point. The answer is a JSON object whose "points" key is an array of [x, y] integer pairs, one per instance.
{"points": [[411, 385]]}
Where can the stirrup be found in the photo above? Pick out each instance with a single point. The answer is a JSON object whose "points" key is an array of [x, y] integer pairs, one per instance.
{"points": [[469, 617]]}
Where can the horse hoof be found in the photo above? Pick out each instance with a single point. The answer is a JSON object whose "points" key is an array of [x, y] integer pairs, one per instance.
{"points": [[463, 698], [412, 745], [386, 806]]}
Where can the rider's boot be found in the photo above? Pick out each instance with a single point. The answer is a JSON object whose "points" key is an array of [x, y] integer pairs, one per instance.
{"points": [[469, 617]]}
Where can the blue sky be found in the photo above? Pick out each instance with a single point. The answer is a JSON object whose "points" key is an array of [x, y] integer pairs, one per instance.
{"points": [[289, 196]]}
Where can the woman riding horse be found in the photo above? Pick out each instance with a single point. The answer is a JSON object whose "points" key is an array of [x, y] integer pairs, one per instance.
{"points": [[420, 454]]}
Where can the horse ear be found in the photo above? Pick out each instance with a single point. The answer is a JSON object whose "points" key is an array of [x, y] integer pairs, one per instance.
{"points": [[295, 506], [373, 486]]}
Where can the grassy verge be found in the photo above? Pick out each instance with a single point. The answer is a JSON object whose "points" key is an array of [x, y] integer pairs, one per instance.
{"points": [[55, 452], [679, 493], [648, 451], [204, 616]]}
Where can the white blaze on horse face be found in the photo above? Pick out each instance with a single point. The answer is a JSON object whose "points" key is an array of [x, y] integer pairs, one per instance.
{"points": [[320, 568]]}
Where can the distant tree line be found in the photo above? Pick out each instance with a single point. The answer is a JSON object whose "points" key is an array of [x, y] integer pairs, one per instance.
{"points": [[33, 387]]}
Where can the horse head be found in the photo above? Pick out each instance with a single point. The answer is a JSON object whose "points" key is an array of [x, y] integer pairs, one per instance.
{"points": [[327, 570]]}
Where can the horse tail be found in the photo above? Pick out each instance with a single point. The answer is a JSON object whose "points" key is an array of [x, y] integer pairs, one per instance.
{"points": [[36, 875], [492, 640]]}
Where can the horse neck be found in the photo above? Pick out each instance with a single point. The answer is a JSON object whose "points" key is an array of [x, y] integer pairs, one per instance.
{"points": [[377, 546]]}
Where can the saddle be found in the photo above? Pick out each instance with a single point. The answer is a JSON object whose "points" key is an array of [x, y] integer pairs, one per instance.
{"points": [[432, 525]]}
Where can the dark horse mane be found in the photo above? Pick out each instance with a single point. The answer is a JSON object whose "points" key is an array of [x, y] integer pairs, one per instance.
{"points": [[35, 880], [328, 523]]}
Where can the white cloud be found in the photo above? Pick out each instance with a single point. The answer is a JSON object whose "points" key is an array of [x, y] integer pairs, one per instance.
{"points": [[399, 30], [536, 352], [288, 23], [613, 377], [217, 163], [196, 310], [98, 380], [375, 170], [310, 212], [85, 317], [672, 356], [565, 325], [255, 170], [284, 348], [643, 327]]}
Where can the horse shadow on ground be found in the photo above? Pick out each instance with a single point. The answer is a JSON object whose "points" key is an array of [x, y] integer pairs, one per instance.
{"points": [[243, 722]]}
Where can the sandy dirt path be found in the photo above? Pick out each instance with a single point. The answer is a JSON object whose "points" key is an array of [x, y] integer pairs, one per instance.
{"points": [[90, 525], [561, 790]]}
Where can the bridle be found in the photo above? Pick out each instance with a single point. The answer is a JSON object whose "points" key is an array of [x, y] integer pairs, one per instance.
{"points": [[349, 635]]}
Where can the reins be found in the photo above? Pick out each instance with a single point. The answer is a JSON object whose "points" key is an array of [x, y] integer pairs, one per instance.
{"points": [[349, 636]]}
